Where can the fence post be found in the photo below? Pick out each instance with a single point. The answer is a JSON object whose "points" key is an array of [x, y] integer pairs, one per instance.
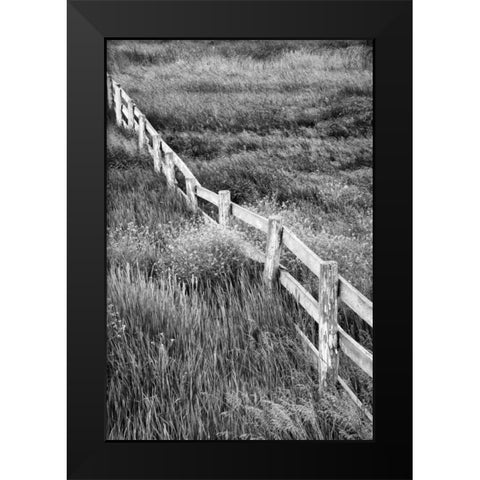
{"points": [[109, 92], [156, 152], [224, 207], [274, 247], [141, 131], [130, 119], [118, 105], [191, 188], [328, 324], [169, 169]]}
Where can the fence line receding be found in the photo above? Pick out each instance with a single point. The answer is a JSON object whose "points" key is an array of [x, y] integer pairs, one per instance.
{"points": [[332, 287]]}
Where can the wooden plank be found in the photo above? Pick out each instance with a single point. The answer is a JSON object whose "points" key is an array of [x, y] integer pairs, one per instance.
{"points": [[355, 399], [125, 113], [328, 325], [273, 250], [166, 147], [109, 92], [312, 351], [300, 294], [150, 130], [117, 103], [251, 218], [137, 112], [187, 173], [148, 139], [130, 116], [141, 132], [124, 95], [191, 188], [358, 302], [224, 207], [207, 195], [353, 350], [169, 169], [156, 152], [301, 251]]}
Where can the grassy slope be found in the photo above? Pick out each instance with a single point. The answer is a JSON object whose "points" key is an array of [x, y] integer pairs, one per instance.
{"points": [[287, 130]]}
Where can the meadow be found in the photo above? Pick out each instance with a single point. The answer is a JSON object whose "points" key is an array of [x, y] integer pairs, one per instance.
{"points": [[197, 348]]}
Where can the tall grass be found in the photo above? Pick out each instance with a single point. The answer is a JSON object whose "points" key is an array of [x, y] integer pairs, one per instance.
{"points": [[220, 362], [205, 87], [197, 349]]}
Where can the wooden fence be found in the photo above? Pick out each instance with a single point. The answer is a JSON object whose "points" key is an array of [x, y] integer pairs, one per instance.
{"points": [[332, 287]]}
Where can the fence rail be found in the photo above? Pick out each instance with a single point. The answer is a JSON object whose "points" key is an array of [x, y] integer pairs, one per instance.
{"points": [[250, 218], [207, 195], [332, 287]]}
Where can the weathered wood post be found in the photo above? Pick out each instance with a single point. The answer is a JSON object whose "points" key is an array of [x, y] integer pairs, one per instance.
{"points": [[272, 254], [156, 142], [191, 187], [169, 169], [130, 119], [118, 105], [328, 324], [109, 92], [141, 131], [224, 203]]}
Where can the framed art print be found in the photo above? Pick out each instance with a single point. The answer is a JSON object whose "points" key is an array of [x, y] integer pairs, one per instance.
{"points": [[239, 186]]}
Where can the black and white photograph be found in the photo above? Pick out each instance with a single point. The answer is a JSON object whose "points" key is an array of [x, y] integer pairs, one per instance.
{"points": [[239, 236], [201, 201]]}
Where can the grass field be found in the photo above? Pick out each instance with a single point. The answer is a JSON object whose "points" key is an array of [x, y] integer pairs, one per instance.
{"points": [[197, 349]]}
